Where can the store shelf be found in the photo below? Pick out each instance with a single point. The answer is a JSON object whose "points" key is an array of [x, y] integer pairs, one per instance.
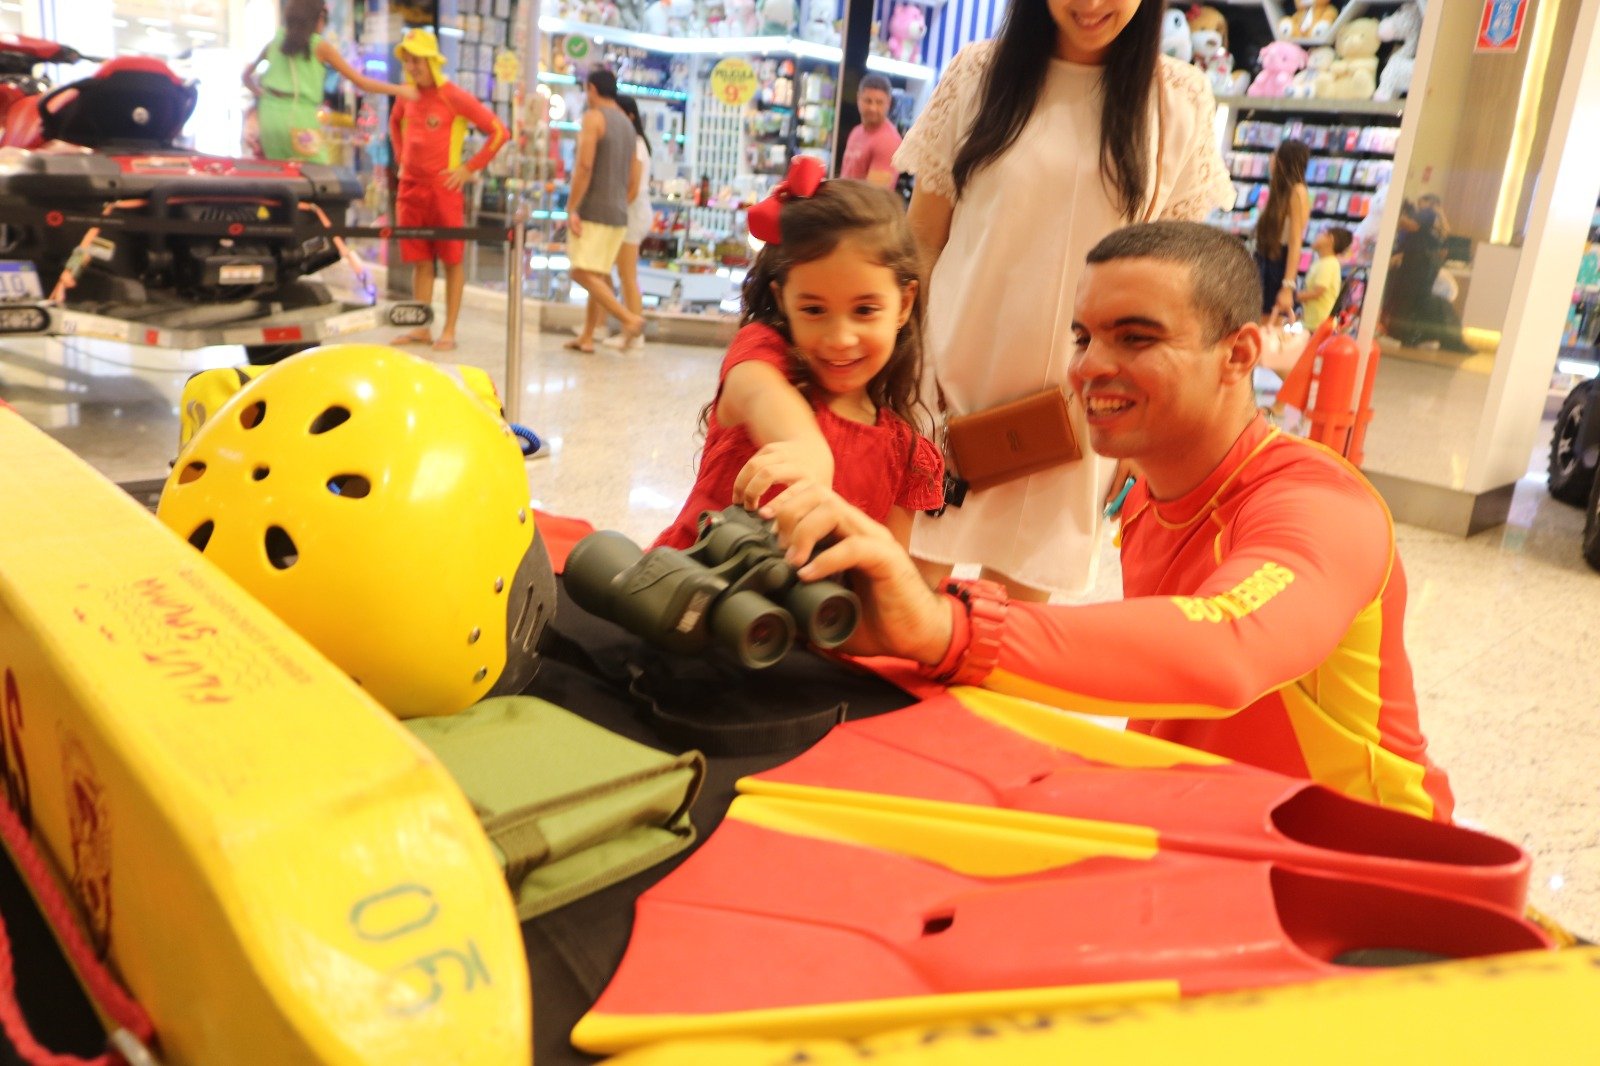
{"points": [[1314, 106], [793, 47], [549, 78]]}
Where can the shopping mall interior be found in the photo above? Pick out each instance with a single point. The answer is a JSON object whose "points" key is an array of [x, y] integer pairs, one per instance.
{"points": [[1467, 415]]}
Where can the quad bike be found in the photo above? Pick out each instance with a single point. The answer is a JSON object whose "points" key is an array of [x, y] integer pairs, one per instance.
{"points": [[188, 240]]}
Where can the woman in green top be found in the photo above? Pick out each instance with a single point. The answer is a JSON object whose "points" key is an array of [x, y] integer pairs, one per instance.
{"points": [[289, 91]]}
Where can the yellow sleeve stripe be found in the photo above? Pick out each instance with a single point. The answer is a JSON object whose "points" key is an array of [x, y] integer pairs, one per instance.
{"points": [[458, 137], [1079, 735], [1017, 685]]}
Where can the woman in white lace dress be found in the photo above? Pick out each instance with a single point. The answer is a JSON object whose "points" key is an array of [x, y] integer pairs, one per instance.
{"points": [[1085, 127]]}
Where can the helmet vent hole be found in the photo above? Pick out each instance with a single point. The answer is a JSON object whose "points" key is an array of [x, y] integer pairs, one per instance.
{"points": [[260, 473], [499, 584], [281, 552], [353, 486], [528, 617], [332, 418], [483, 672], [473, 637], [252, 416], [202, 535], [191, 472]]}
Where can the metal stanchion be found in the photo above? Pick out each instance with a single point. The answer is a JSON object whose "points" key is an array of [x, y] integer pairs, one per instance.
{"points": [[515, 273]]}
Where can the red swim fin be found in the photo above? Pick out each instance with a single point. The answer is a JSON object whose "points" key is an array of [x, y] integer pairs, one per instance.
{"points": [[800, 918], [1004, 753]]}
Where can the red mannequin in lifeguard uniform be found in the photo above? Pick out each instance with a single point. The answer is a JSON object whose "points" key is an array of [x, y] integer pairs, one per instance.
{"points": [[428, 133], [1265, 602]]}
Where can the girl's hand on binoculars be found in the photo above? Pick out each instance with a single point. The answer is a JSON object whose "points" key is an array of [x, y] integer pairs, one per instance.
{"points": [[900, 614], [784, 462]]}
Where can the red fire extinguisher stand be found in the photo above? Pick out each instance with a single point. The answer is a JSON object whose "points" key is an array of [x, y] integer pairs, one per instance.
{"points": [[1323, 385]]}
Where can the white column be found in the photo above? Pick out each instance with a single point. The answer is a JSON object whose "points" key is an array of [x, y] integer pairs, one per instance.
{"points": [[1558, 224]]}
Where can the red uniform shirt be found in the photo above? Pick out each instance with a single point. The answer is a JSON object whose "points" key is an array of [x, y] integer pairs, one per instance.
{"points": [[428, 132], [876, 467], [1264, 622]]}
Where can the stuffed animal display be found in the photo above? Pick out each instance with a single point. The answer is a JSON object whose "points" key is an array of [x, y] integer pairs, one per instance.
{"points": [[1175, 40], [1312, 20], [1405, 26], [1208, 35], [1318, 60], [1280, 62], [743, 20], [907, 28], [820, 27], [1354, 74], [778, 18]]}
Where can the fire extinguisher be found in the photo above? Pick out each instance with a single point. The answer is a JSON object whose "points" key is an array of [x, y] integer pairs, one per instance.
{"points": [[1333, 397]]}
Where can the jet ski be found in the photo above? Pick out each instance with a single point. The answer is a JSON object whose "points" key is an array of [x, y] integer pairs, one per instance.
{"points": [[118, 220]]}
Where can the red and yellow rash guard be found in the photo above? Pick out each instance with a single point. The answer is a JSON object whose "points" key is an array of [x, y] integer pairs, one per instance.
{"points": [[428, 132], [1263, 622]]}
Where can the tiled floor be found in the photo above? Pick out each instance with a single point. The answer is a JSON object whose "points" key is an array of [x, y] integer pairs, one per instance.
{"points": [[1504, 628]]}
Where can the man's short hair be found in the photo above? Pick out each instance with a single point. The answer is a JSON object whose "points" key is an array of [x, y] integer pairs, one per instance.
{"points": [[1342, 239], [604, 82], [875, 81], [1224, 281]]}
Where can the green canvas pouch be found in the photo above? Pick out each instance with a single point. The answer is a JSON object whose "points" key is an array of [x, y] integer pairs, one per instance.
{"points": [[569, 806]]}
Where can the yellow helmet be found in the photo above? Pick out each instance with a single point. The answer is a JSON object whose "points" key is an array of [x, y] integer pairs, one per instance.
{"points": [[381, 509]]}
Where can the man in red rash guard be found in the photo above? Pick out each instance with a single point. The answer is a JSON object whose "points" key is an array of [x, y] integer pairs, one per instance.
{"points": [[427, 134], [1264, 608]]}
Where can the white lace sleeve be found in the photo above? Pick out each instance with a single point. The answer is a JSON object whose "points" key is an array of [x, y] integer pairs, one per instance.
{"points": [[1200, 183], [929, 149]]}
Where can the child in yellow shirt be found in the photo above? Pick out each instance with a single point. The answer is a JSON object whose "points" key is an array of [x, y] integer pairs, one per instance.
{"points": [[1323, 279]]}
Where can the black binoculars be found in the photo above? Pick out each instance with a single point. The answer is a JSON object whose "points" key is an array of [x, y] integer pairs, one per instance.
{"points": [[730, 590]]}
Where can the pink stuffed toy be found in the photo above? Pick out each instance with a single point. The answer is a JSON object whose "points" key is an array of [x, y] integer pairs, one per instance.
{"points": [[1280, 61], [907, 28]]}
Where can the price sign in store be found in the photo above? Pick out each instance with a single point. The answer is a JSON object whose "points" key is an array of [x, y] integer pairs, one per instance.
{"points": [[507, 67], [733, 81], [1500, 29]]}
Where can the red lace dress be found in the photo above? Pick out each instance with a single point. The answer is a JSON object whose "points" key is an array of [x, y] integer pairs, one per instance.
{"points": [[877, 467]]}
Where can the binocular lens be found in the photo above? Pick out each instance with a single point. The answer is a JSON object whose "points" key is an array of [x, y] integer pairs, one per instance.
{"points": [[767, 638], [825, 610], [755, 630], [833, 623]]}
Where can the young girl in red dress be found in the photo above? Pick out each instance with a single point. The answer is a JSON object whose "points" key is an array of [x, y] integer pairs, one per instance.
{"points": [[820, 383]]}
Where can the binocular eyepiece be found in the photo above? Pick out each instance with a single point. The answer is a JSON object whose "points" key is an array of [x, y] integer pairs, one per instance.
{"points": [[730, 590]]}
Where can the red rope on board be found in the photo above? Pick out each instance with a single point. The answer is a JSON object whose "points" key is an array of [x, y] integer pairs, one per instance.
{"points": [[109, 995]]}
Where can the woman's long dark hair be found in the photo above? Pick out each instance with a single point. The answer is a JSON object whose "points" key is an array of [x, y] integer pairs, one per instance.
{"points": [[300, 21], [631, 109], [1015, 80], [1289, 161], [812, 228]]}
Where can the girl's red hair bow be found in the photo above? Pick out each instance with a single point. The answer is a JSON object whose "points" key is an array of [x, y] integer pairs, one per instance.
{"points": [[804, 178]]}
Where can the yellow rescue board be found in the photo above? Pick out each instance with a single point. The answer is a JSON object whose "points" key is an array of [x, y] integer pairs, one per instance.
{"points": [[271, 864]]}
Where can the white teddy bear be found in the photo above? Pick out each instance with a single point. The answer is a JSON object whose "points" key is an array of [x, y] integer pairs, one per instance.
{"points": [[1304, 85], [1405, 26], [1175, 40]]}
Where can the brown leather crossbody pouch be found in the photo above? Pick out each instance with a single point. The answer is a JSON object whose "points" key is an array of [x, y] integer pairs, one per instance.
{"points": [[1013, 440]]}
